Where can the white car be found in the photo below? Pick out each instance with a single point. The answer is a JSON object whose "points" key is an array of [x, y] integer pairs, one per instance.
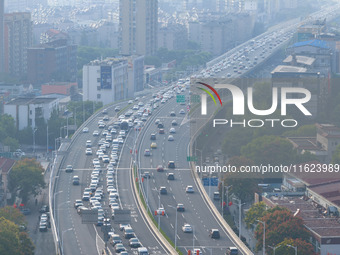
{"points": [[85, 130], [130, 102], [171, 138], [161, 211], [95, 133], [187, 228], [95, 161], [172, 131], [88, 151], [189, 189]]}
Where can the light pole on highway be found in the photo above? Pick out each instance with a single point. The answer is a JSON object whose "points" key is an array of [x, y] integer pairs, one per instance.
{"points": [[294, 247], [159, 206], [62, 239], [34, 130], [175, 225], [274, 248], [201, 155], [193, 238], [239, 216], [227, 189], [264, 236], [61, 128]]}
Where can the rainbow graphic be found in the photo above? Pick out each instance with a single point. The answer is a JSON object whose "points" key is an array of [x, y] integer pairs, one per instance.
{"points": [[209, 93]]}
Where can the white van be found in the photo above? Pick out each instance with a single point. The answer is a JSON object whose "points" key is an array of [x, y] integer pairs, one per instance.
{"points": [[142, 251]]}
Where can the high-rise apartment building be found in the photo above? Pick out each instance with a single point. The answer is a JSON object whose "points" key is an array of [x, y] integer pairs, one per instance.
{"points": [[17, 38], [138, 20], [2, 57]]}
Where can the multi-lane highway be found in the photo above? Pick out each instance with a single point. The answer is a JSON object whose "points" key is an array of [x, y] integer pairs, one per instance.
{"points": [[78, 238], [196, 213]]}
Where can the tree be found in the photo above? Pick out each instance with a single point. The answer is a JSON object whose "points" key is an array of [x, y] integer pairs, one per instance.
{"points": [[13, 214], [242, 186], [256, 212], [303, 247], [305, 131], [12, 241], [8, 237], [280, 224], [26, 178], [272, 150]]}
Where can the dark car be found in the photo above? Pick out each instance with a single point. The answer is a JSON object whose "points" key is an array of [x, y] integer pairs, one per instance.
{"points": [[161, 131], [163, 191], [160, 125], [134, 243], [153, 137], [214, 233], [171, 176], [146, 175], [171, 164], [44, 209], [25, 211], [172, 114], [232, 251], [180, 208]]}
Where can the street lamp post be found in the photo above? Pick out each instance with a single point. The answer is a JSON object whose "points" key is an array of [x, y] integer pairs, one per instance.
{"points": [[239, 216], [201, 156], [274, 248], [67, 125], [264, 236], [175, 225], [62, 239], [227, 189], [294, 247], [159, 206], [34, 130]]}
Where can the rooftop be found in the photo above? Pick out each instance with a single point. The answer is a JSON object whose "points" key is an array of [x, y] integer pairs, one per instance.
{"points": [[25, 101], [107, 62], [331, 191], [312, 178], [303, 60], [289, 69], [315, 43], [304, 143], [311, 213]]}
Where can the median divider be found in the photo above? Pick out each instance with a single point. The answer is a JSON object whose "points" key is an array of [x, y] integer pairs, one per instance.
{"points": [[162, 237]]}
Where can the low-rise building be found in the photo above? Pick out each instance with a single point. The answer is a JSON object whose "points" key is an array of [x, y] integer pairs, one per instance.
{"points": [[25, 111], [106, 80], [323, 145], [61, 88]]}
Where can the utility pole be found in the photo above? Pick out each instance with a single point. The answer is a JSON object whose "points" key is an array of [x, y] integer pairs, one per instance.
{"points": [[239, 216]]}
